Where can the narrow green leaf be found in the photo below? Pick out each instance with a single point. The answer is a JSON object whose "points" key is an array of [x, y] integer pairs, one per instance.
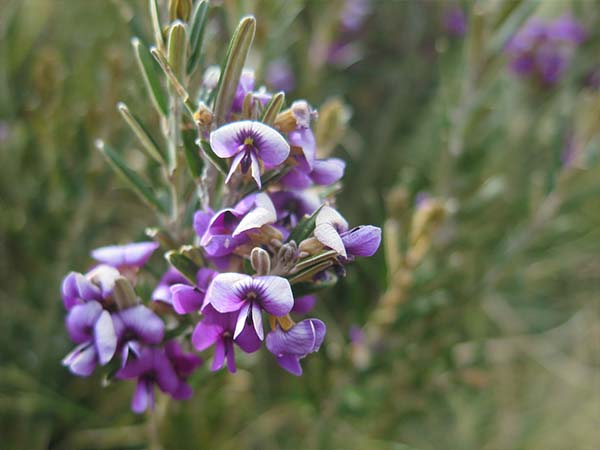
{"points": [[141, 132], [234, 63], [273, 108], [168, 71], [138, 185], [310, 272], [150, 74], [198, 23], [313, 260], [184, 265], [193, 159], [304, 228], [177, 48], [219, 163], [156, 27]]}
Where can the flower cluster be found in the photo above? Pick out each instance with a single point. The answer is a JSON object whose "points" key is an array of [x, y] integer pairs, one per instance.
{"points": [[542, 50], [256, 253]]}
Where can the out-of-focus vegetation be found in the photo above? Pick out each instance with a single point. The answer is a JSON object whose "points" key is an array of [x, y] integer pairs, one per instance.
{"points": [[494, 338]]}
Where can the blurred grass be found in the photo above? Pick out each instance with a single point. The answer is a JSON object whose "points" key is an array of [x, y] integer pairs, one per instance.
{"points": [[497, 345]]}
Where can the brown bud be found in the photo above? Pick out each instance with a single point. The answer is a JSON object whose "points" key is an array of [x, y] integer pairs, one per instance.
{"points": [[124, 294], [261, 261]]}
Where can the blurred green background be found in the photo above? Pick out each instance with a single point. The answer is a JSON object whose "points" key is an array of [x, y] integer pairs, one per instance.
{"points": [[496, 342]]}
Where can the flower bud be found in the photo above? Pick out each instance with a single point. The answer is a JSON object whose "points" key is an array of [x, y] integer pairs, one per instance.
{"points": [[298, 116], [333, 120], [260, 260], [124, 294], [311, 246], [180, 10]]}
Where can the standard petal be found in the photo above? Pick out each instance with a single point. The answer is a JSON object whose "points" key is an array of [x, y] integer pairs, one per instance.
{"points": [[186, 299], [275, 294], [272, 147], [81, 320], [226, 141], [105, 338], [327, 171], [222, 293], [362, 241], [144, 323], [327, 235], [135, 254], [205, 335]]}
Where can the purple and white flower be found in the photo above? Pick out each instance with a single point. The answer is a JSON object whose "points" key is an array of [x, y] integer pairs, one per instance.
{"points": [[289, 347], [132, 255], [249, 296], [251, 145], [188, 298]]}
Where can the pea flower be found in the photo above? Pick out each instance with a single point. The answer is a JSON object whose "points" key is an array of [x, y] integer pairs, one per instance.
{"points": [[236, 292], [90, 326], [135, 326], [188, 298], [218, 329], [162, 291], [96, 285], [167, 367], [291, 346], [250, 144], [332, 231]]}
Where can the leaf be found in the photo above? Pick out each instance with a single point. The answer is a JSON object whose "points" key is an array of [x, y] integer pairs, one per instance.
{"points": [[150, 74], [156, 28], [304, 228], [194, 162], [273, 108], [198, 25], [177, 48], [234, 63], [138, 185], [184, 265], [219, 163], [148, 143]]}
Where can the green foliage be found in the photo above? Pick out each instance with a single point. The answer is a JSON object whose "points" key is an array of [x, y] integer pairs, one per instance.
{"points": [[493, 344]]}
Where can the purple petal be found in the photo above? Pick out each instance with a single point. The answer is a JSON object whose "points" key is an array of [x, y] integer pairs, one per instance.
{"points": [[143, 397], [134, 255], [204, 277], [81, 320], [248, 341], [184, 392], [186, 299], [163, 291], [296, 179], [305, 139], [201, 221], [290, 363], [166, 378], [327, 171], [184, 363], [303, 338], [222, 293], [230, 356], [275, 294], [304, 304], [362, 241], [138, 366], [82, 360], [205, 335], [144, 323], [105, 338], [219, 355]]}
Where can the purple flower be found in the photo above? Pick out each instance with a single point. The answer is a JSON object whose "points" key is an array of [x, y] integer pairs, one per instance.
{"points": [[222, 233], [290, 346], [280, 76], [130, 255], [323, 172], [218, 329], [96, 285], [332, 231], [353, 15], [455, 22], [188, 298], [166, 367], [90, 326], [162, 292], [250, 144], [248, 296], [305, 304], [245, 85], [543, 50], [291, 206]]}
